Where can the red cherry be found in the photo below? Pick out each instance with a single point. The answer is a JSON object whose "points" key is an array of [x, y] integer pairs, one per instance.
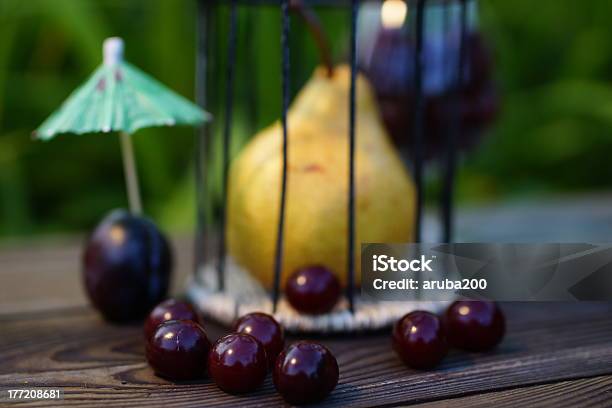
{"points": [[313, 290], [474, 325], [305, 372], [178, 350], [170, 309], [419, 339], [237, 363], [266, 330]]}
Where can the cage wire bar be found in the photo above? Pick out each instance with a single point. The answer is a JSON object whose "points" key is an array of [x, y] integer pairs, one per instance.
{"points": [[203, 42], [285, 67], [418, 115], [447, 162], [455, 125], [227, 137], [350, 270], [200, 142]]}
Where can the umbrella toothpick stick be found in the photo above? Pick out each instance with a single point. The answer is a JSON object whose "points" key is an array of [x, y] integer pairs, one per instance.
{"points": [[113, 55], [131, 175]]}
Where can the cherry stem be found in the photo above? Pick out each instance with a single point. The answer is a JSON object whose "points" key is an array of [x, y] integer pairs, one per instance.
{"points": [[316, 30]]}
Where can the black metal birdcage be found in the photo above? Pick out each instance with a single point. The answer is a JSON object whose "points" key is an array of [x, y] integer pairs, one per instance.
{"points": [[207, 27]]}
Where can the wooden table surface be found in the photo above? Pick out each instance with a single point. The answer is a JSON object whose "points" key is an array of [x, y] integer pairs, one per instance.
{"points": [[554, 354]]}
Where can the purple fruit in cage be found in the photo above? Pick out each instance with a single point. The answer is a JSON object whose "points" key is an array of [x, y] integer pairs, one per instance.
{"points": [[312, 290], [469, 105]]}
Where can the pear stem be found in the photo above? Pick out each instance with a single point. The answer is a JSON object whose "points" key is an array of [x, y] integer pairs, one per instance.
{"points": [[316, 30]]}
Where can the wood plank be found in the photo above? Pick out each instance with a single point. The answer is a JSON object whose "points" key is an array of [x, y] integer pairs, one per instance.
{"points": [[51, 338], [95, 362], [44, 274], [589, 392]]}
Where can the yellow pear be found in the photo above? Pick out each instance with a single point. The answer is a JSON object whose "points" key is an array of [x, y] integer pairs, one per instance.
{"points": [[317, 184]]}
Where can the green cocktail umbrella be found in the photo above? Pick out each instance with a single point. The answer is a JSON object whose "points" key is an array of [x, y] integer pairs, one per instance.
{"points": [[118, 97]]}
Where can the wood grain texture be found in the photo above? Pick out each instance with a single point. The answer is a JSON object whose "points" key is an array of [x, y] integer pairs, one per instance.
{"points": [[589, 392], [555, 354], [95, 362]]}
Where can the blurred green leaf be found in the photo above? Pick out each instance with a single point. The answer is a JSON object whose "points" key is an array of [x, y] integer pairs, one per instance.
{"points": [[553, 68]]}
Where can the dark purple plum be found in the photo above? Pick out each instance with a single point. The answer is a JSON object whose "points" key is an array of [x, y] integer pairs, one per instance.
{"points": [[391, 72], [126, 266]]}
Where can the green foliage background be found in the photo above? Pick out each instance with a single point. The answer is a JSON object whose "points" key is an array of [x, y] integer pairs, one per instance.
{"points": [[554, 68]]}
